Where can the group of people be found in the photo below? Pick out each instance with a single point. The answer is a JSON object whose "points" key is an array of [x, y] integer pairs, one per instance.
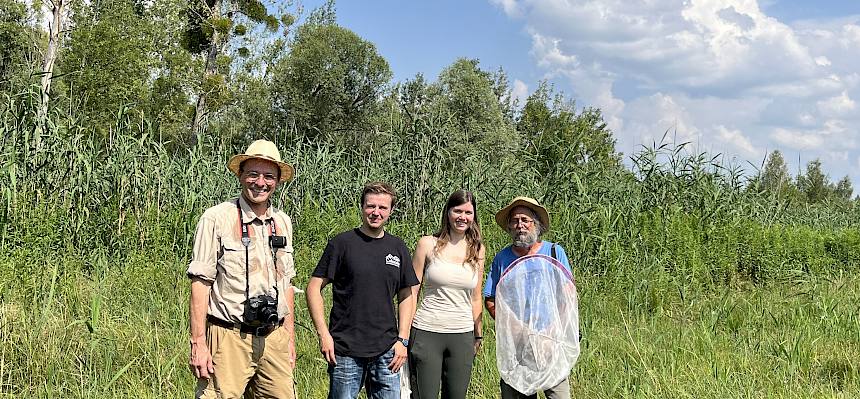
{"points": [[242, 321]]}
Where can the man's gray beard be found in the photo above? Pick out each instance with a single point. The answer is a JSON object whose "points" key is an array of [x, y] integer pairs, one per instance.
{"points": [[525, 240]]}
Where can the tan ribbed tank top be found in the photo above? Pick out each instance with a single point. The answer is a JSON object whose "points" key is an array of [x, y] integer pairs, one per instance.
{"points": [[447, 303]]}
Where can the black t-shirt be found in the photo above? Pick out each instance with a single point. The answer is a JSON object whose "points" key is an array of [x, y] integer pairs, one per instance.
{"points": [[365, 273]]}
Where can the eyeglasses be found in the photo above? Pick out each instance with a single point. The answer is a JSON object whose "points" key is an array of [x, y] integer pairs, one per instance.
{"points": [[525, 221], [254, 175]]}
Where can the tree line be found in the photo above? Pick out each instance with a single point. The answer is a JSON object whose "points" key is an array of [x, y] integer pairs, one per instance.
{"points": [[235, 70], [811, 185]]}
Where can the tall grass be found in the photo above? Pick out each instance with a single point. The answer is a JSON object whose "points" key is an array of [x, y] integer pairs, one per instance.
{"points": [[690, 285]]}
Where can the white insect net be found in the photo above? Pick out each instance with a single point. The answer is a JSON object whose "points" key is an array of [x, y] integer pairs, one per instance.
{"points": [[537, 324]]}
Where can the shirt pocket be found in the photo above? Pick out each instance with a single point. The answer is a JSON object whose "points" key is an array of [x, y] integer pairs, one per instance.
{"points": [[233, 259]]}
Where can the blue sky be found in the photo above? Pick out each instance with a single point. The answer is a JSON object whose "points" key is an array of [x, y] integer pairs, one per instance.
{"points": [[737, 77], [427, 36]]}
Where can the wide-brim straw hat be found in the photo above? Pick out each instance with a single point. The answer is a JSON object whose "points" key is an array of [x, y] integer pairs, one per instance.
{"points": [[504, 215], [265, 150]]}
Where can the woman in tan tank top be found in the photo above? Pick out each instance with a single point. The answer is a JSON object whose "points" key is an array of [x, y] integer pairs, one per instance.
{"points": [[446, 330]]}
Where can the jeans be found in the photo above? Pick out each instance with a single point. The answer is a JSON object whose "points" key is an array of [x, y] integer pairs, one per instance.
{"points": [[350, 373]]}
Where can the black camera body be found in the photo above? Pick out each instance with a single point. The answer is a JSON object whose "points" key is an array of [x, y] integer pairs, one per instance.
{"points": [[278, 241], [261, 310]]}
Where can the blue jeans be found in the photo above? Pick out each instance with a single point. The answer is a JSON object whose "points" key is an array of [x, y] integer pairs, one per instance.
{"points": [[350, 373]]}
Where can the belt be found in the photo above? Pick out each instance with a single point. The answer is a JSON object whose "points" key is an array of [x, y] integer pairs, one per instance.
{"points": [[260, 331]]}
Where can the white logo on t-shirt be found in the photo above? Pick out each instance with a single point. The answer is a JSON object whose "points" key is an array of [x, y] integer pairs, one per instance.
{"points": [[392, 260]]}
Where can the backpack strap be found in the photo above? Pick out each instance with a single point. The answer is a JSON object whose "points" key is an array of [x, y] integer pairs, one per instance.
{"points": [[555, 256]]}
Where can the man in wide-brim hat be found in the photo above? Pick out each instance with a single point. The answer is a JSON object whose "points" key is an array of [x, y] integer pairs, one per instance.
{"points": [[242, 323], [264, 150], [525, 220]]}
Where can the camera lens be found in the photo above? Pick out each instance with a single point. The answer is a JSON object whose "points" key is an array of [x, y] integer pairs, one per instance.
{"points": [[262, 309]]}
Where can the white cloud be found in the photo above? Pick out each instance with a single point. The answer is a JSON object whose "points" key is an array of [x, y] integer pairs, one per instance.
{"points": [[610, 105], [737, 140], [838, 156], [589, 81], [721, 73], [797, 140], [678, 44], [834, 126], [850, 35], [520, 91], [837, 106], [649, 119], [509, 6], [806, 119], [797, 89], [548, 54]]}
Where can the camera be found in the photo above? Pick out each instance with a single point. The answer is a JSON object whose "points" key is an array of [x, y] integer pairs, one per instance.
{"points": [[278, 241], [262, 309]]}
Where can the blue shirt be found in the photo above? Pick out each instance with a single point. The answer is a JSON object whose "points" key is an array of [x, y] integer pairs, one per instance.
{"points": [[506, 256]]}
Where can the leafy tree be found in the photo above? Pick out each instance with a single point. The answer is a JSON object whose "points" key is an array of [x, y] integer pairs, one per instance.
{"points": [[330, 83], [556, 134], [843, 189], [413, 98], [502, 89], [168, 108], [175, 71], [815, 184], [211, 24], [325, 14], [468, 94], [16, 45], [249, 114], [110, 58], [774, 177]]}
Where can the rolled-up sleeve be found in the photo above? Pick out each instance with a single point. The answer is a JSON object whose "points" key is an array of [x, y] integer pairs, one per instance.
{"points": [[204, 257]]}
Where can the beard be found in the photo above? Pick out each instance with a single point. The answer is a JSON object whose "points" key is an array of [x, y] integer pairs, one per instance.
{"points": [[524, 239]]}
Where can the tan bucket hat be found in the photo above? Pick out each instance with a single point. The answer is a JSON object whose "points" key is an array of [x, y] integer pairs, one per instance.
{"points": [[265, 150], [504, 215]]}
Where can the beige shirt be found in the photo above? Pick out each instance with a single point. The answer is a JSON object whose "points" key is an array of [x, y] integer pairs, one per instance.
{"points": [[219, 257]]}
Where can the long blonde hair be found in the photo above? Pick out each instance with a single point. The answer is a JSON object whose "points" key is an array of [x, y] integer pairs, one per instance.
{"points": [[473, 233]]}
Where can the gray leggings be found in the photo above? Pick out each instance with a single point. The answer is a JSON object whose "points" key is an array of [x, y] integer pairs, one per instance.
{"points": [[440, 359]]}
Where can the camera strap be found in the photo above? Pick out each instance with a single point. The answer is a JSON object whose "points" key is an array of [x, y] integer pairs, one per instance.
{"points": [[246, 242], [273, 231]]}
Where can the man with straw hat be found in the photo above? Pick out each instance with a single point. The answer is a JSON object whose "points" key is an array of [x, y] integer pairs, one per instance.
{"points": [[242, 325], [526, 221]]}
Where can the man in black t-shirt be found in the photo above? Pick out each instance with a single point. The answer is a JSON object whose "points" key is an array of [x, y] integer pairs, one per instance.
{"points": [[364, 339]]}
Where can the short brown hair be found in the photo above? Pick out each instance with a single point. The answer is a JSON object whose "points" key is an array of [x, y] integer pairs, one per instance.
{"points": [[378, 187]]}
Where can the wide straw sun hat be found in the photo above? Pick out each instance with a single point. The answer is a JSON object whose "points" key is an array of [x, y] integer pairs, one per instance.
{"points": [[265, 150], [504, 215]]}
